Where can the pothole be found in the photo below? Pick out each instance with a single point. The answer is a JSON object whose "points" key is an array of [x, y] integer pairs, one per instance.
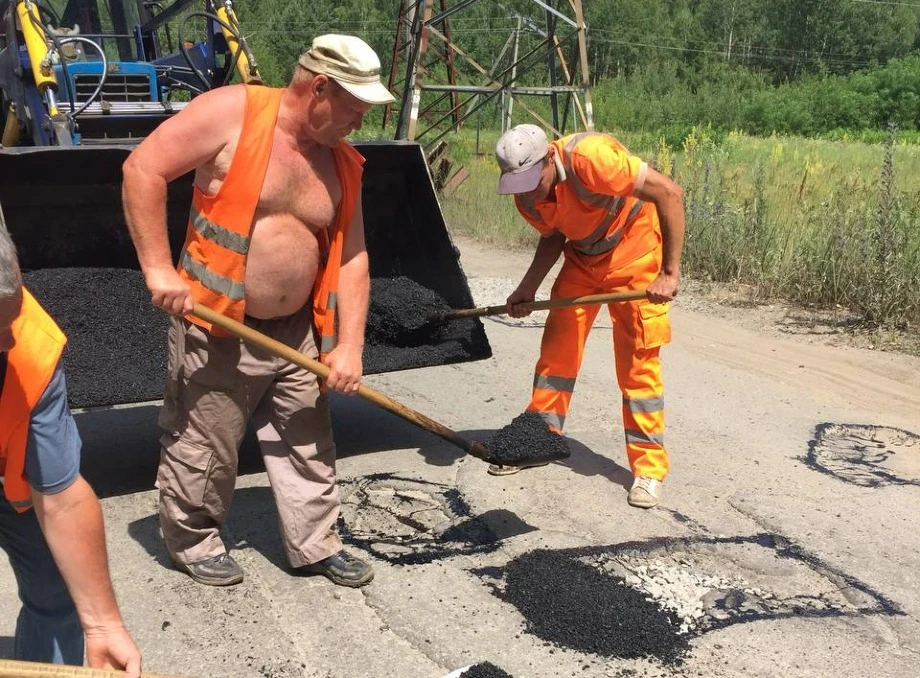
{"points": [[866, 455], [650, 599], [410, 522]]}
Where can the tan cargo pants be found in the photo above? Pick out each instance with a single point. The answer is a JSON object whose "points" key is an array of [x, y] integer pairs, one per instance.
{"points": [[216, 386]]}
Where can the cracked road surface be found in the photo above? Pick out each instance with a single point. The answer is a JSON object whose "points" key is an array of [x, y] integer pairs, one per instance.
{"points": [[785, 545]]}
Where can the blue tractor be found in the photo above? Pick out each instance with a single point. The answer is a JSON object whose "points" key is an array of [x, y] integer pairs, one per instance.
{"points": [[90, 72]]}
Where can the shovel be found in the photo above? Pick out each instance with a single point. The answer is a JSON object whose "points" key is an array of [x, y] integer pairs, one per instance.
{"points": [[321, 370], [632, 295], [10, 668]]}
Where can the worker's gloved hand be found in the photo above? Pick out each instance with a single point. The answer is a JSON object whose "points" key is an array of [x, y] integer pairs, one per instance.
{"points": [[520, 296], [168, 291], [113, 648], [345, 368]]}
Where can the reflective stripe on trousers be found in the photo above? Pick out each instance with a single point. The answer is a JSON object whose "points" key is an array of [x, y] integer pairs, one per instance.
{"points": [[639, 330]]}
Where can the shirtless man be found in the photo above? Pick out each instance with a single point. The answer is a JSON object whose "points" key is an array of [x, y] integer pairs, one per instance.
{"points": [[276, 240]]}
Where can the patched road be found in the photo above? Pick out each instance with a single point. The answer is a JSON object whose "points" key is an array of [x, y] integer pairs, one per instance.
{"points": [[785, 545]]}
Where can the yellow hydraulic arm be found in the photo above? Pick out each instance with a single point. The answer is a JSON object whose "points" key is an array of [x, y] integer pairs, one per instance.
{"points": [[245, 61]]}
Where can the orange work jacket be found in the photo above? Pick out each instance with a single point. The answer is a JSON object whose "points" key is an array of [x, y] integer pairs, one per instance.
{"points": [[213, 259], [594, 207], [29, 368]]}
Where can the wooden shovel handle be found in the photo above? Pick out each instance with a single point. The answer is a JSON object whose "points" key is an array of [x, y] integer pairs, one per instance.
{"points": [[587, 300], [10, 668], [322, 371]]}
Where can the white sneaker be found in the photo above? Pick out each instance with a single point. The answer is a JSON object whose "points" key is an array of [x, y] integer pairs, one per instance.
{"points": [[644, 493]]}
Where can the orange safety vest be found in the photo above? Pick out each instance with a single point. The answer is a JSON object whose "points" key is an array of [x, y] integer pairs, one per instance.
{"points": [[213, 260], [30, 365], [594, 207]]}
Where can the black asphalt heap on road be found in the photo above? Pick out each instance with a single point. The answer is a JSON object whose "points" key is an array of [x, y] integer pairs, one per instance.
{"points": [[485, 670], [526, 439], [574, 605]]}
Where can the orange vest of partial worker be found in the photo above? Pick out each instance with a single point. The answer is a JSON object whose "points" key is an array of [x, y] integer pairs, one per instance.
{"points": [[213, 260], [595, 223], [613, 242], [29, 369]]}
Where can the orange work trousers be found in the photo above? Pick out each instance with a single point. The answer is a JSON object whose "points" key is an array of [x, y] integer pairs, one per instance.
{"points": [[640, 328]]}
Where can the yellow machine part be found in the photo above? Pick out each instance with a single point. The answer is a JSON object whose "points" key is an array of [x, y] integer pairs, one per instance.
{"points": [[36, 46], [11, 128], [247, 71]]}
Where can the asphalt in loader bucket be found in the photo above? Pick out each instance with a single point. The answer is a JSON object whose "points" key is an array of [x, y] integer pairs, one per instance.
{"points": [[63, 210]]}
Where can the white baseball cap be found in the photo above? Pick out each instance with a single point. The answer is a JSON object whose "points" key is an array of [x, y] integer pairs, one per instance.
{"points": [[350, 62], [520, 153]]}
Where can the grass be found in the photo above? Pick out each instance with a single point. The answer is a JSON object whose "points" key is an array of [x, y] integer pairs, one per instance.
{"points": [[820, 223]]}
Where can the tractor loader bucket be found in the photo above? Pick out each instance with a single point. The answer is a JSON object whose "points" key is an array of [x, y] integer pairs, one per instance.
{"points": [[63, 210]]}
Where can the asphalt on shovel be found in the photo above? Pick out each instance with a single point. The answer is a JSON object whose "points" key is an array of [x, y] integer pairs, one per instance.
{"points": [[587, 300], [256, 338]]}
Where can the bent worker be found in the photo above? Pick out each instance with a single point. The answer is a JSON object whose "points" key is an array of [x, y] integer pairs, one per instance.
{"points": [[275, 240], [620, 225], [51, 524]]}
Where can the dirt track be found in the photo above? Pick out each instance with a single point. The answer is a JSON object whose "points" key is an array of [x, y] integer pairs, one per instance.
{"points": [[787, 522]]}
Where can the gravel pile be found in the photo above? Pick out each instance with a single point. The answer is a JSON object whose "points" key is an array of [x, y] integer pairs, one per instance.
{"points": [[525, 439], [677, 587]]}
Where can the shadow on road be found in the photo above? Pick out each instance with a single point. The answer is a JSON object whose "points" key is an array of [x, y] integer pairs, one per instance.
{"points": [[252, 523], [586, 462]]}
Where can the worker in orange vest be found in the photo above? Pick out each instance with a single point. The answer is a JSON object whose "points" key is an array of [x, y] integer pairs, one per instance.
{"points": [[620, 226], [50, 520], [275, 240]]}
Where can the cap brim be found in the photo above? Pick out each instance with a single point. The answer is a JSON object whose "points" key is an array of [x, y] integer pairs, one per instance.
{"points": [[369, 93], [520, 182]]}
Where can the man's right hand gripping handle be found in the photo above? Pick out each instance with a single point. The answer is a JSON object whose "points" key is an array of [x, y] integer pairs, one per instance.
{"points": [[169, 291]]}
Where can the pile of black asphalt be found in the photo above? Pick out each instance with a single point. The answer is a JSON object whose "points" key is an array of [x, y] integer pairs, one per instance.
{"points": [[526, 440], [116, 350], [118, 340], [485, 670], [574, 605], [403, 330]]}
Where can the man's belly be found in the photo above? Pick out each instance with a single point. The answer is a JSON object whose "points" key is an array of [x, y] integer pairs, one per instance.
{"points": [[280, 267]]}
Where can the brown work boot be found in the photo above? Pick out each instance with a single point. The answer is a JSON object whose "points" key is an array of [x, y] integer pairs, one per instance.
{"points": [[343, 569], [220, 570], [644, 493], [507, 470]]}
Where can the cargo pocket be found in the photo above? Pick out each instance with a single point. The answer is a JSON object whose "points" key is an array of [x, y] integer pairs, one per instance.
{"points": [[656, 327], [184, 473]]}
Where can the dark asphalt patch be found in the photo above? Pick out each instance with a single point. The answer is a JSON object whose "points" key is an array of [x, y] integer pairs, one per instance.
{"points": [[527, 439], [116, 349], [485, 670], [574, 605]]}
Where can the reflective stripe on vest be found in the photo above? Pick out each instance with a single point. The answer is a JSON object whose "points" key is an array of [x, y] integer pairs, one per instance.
{"points": [[31, 362], [600, 240]]}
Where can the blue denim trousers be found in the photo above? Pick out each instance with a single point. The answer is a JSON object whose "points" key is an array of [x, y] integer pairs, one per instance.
{"points": [[48, 629]]}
